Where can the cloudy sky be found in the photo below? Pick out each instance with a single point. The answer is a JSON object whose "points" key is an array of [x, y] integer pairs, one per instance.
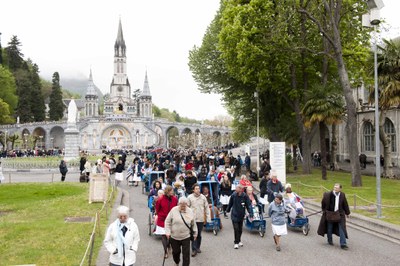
{"points": [[73, 36]]}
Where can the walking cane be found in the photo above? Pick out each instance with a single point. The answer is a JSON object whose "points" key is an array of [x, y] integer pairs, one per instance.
{"points": [[163, 261]]}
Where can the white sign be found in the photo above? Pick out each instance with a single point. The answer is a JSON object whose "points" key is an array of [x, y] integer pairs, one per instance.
{"points": [[277, 154], [98, 189]]}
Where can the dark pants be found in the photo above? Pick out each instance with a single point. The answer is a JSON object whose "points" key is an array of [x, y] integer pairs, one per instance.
{"points": [[177, 245], [112, 264], [62, 177], [238, 228], [197, 243], [342, 236]]}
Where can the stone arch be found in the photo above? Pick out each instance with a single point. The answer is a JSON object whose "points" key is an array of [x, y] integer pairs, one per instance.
{"points": [[57, 138], [116, 137], [217, 138], [158, 130], [39, 138], [186, 130], [172, 135]]}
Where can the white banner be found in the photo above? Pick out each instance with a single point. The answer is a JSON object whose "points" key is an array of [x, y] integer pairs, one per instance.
{"points": [[277, 154]]}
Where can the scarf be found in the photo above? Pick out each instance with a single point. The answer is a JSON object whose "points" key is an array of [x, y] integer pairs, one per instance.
{"points": [[120, 238]]}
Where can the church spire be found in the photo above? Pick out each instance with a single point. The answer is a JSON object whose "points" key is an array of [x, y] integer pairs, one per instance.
{"points": [[146, 87], [91, 90], [120, 46]]}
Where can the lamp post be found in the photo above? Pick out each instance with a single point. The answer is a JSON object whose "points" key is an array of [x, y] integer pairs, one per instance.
{"points": [[373, 19], [5, 140], [258, 130], [41, 142]]}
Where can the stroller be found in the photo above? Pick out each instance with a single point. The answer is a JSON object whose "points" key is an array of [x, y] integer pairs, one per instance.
{"points": [[258, 223]]}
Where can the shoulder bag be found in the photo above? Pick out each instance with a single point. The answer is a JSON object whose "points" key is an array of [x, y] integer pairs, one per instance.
{"points": [[190, 228], [333, 216]]}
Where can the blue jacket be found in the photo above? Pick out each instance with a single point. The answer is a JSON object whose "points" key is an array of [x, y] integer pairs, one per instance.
{"points": [[239, 204], [277, 213]]}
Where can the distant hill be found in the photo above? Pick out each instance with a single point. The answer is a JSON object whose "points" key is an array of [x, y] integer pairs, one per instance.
{"points": [[78, 86]]}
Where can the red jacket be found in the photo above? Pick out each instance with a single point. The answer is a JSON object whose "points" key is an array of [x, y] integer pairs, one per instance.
{"points": [[163, 205]]}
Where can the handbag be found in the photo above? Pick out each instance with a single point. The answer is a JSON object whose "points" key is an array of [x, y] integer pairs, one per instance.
{"points": [[333, 216], [190, 228]]}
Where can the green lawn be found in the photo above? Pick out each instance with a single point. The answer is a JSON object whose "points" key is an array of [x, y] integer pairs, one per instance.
{"points": [[310, 186], [33, 230]]}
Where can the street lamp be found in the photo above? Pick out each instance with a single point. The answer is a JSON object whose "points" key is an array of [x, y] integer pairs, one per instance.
{"points": [[373, 19], [52, 143], [41, 142], [258, 130], [5, 140]]}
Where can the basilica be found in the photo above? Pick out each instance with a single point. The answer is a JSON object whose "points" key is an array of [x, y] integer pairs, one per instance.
{"points": [[127, 121]]}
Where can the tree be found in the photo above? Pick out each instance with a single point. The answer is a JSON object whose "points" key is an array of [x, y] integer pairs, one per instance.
{"points": [[5, 117], [389, 93], [38, 108], [56, 104], [8, 89], [24, 85], [339, 23], [323, 109], [14, 55]]}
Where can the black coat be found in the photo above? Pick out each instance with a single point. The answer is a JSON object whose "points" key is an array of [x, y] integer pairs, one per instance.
{"points": [[328, 203], [239, 204], [273, 187], [225, 189], [263, 187], [119, 168]]}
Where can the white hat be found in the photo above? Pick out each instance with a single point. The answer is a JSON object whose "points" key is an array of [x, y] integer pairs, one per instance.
{"points": [[288, 185]]}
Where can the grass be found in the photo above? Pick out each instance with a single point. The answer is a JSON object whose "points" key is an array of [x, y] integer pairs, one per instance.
{"points": [[311, 186], [33, 230]]}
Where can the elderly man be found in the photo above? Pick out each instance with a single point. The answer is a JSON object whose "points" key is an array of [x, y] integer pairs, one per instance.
{"points": [[333, 221], [180, 224], [199, 204], [274, 186], [238, 203], [122, 239]]}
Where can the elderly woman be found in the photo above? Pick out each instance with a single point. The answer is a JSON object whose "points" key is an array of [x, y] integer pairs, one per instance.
{"points": [[179, 226], [122, 239], [163, 207], [276, 211], [245, 182], [274, 186], [294, 203]]}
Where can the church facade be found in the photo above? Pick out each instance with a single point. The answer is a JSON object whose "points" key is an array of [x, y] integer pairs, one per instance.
{"points": [[127, 121]]}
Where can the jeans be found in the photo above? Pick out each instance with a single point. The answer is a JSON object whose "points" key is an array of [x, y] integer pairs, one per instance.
{"points": [[341, 233], [197, 243], [238, 229], [176, 250]]}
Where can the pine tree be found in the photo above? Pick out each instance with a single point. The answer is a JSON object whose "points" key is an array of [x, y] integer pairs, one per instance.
{"points": [[39, 108], [56, 104], [23, 82], [14, 55]]}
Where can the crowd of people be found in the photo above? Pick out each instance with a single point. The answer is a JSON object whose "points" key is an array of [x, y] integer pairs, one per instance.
{"points": [[183, 207]]}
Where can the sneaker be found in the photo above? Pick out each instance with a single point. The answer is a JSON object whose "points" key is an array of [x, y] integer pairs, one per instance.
{"points": [[330, 243], [236, 246], [278, 248], [345, 247], [199, 251], [194, 253], [240, 244]]}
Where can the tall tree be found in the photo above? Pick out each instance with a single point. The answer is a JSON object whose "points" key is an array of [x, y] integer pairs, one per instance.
{"points": [[24, 85], [8, 89], [39, 108], [14, 55], [56, 104], [1, 52], [339, 23], [5, 117]]}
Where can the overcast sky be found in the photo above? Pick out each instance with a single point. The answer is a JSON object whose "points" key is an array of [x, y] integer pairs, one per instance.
{"points": [[73, 36]]}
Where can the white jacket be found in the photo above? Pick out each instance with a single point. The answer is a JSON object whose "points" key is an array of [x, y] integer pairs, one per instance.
{"points": [[132, 238]]}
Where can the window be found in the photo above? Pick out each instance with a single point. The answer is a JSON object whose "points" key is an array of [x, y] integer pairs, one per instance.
{"points": [[369, 137], [391, 133]]}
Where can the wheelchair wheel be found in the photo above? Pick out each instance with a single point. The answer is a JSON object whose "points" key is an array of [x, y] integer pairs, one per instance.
{"points": [[150, 224], [306, 228]]}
